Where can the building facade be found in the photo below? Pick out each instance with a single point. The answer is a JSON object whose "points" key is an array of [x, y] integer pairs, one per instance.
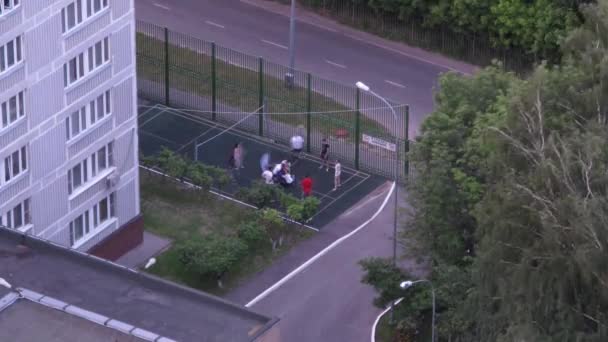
{"points": [[68, 130]]}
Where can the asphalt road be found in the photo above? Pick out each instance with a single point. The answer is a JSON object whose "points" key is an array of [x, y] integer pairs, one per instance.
{"points": [[328, 51]]}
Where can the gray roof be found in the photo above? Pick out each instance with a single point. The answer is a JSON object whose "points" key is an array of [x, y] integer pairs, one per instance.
{"points": [[114, 291], [18, 323]]}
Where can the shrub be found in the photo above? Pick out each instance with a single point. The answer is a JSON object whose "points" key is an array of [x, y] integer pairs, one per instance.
{"points": [[260, 195], [273, 222], [253, 234], [296, 212], [310, 206], [199, 176], [286, 199], [213, 255]]}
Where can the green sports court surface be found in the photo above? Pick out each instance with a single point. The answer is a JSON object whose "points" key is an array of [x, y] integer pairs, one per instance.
{"points": [[210, 142]]}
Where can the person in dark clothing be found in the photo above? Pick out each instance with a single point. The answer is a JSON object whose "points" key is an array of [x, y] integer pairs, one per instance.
{"points": [[324, 155]]}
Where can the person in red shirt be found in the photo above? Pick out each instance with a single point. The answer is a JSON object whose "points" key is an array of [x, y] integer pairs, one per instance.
{"points": [[306, 185]]}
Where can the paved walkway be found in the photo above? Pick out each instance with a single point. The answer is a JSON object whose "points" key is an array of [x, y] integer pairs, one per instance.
{"points": [[327, 301], [151, 246]]}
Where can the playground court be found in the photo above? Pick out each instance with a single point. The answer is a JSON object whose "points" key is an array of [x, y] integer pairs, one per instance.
{"points": [[211, 142]]}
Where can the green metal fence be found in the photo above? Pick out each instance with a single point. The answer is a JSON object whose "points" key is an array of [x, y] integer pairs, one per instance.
{"points": [[225, 85], [473, 48]]}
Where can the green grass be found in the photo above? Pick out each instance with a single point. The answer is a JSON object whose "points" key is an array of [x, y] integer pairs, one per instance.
{"points": [[239, 87], [180, 213]]}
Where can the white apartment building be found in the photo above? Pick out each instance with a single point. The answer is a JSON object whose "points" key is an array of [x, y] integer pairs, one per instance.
{"points": [[68, 130]]}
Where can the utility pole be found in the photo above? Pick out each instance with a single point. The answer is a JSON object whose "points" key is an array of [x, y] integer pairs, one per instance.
{"points": [[289, 77]]}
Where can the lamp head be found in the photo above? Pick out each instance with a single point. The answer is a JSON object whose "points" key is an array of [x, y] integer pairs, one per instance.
{"points": [[405, 284], [362, 86]]}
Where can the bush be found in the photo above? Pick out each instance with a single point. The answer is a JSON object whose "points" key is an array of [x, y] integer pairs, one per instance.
{"points": [[260, 195], [273, 222], [199, 176], [287, 200], [213, 255], [253, 234], [219, 175], [310, 206], [296, 212]]}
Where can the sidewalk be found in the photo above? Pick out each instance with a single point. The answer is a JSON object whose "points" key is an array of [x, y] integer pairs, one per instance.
{"points": [[343, 225]]}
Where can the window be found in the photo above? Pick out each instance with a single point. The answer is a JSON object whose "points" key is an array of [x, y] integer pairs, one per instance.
{"points": [[18, 217], [7, 6], [96, 56], [10, 54], [85, 224], [86, 117], [11, 110], [82, 172], [79, 11], [14, 165]]}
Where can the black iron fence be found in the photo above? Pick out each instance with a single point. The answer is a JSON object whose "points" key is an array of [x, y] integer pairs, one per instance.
{"points": [[225, 85]]}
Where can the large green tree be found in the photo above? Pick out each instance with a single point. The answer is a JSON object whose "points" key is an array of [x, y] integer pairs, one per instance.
{"points": [[511, 199]]}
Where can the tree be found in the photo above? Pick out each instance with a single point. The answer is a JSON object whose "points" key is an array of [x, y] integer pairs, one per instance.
{"points": [[272, 220], [212, 255], [253, 234]]}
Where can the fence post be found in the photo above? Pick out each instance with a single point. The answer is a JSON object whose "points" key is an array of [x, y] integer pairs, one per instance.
{"points": [[357, 127], [407, 141], [308, 110], [261, 99], [213, 84], [166, 66]]}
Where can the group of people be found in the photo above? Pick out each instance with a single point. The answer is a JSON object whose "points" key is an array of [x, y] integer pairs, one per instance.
{"points": [[280, 173]]}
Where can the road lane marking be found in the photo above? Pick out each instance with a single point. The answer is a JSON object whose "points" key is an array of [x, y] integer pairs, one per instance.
{"points": [[335, 64], [275, 44], [162, 6], [321, 253], [395, 84], [214, 24], [421, 59]]}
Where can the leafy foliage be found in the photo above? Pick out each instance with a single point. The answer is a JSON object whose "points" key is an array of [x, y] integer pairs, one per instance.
{"points": [[536, 26], [212, 255], [511, 200]]}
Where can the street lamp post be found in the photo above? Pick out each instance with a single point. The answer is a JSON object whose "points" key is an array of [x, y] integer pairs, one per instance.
{"points": [[290, 76], [407, 284], [365, 88]]}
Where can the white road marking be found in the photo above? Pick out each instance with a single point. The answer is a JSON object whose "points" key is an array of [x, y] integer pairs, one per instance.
{"points": [[395, 84], [335, 64], [321, 253], [214, 24], [275, 44], [424, 60], [162, 6]]}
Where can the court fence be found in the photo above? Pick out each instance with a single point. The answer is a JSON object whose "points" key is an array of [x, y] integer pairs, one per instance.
{"points": [[475, 48], [227, 86]]}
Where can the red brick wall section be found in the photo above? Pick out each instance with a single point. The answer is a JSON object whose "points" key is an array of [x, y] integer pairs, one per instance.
{"points": [[127, 237]]}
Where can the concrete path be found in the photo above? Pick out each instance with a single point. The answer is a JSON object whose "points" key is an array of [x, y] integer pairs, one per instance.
{"points": [[151, 246], [326, 301]]}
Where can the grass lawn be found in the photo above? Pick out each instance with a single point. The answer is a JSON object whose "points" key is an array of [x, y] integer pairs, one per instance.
{"points": [[179, 213], [239, 87]]}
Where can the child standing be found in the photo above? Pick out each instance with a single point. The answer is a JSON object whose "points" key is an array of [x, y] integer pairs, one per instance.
{"points": [[306, 185], [338, 172]]}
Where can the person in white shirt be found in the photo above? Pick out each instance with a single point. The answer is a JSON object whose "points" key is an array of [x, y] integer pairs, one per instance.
{"points": [[297, 144], [267, 175], [338, 172]]}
